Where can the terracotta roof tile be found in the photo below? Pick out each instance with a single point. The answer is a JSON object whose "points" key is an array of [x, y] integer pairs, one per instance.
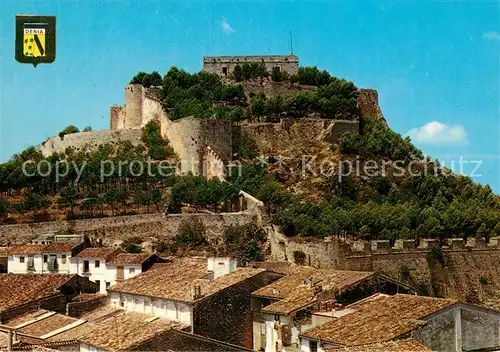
{"points": [[59, 247], [409, 345], [175, 280], [27, 249], [126, 330], [294, 294], [286, 285], [378, 318], [98, 253], [17, 289], [47, 325], [4, 251], [130, 258]]}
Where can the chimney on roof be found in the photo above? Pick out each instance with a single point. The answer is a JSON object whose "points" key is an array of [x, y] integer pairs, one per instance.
{"points": [[196, 292], [9, 340]]}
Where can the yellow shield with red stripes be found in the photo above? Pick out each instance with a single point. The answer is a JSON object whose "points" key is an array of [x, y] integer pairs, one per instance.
{"points": [[34, 39]]}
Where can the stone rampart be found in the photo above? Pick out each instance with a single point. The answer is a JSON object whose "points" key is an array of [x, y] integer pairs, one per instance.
{"points": [[157, 225], [90, 140]]}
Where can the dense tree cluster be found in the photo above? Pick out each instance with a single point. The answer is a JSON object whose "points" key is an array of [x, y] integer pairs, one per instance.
{"points": [[376, 139], [152, 79], [437, 205], [206, 95], [124, 189], [335, 100], [195, 190]]}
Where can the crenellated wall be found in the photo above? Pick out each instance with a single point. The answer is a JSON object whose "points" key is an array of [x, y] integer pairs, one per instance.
{"points": [[454, 270]]}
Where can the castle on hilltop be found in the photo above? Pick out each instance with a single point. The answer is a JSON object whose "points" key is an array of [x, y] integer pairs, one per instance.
{"points": [[204, 146], [224, 65]]}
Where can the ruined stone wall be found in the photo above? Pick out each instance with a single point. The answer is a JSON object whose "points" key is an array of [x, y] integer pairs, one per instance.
{"points": [[144, 226], [368, 104], [214, 165], [190, 136], [319, 253], [216, 64], [88, 140]]}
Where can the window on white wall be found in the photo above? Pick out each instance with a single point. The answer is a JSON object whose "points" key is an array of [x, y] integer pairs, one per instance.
{"points": [[131, 270], [63, 258], [21, 259], [97, 264]]}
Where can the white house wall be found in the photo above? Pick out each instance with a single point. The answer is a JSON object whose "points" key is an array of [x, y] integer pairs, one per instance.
{"points": [[15, 266], [175, 311], [102, 273]]}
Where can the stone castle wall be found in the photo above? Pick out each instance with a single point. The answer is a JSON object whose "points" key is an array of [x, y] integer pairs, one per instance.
{"points": [[190, 136], [459, 272], [224, 65], [88, 140], [368, 104], [214, 165], [158, 225]]}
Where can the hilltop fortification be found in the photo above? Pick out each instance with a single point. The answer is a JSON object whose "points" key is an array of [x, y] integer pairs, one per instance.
{"points": [[204, 146], [224, 65]]}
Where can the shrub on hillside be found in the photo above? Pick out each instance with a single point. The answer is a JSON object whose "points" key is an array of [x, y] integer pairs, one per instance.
{"points": [[191, 232], [68, 130]]}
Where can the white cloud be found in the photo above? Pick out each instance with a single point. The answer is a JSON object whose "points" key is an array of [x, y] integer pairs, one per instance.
{"points": [[438, 133], [491, 35], [226, 27]]}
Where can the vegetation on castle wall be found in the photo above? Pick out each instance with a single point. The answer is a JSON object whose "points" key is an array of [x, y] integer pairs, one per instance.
{"points": [[157, 147], [243, 242], [205, 95], [375, 138], [68, 130], [152, 79], [195, 190], [191, 232]]}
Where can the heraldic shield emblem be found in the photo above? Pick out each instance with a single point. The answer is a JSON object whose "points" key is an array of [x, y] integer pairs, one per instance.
{"points": [[34, 39]]}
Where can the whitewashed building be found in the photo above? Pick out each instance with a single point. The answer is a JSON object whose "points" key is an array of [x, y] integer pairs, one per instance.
{"points": [[41, 259], [213, 296], [107, 266]]}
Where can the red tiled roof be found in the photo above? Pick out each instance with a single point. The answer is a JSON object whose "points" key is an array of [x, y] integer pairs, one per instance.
{"points": [[17, 289], [130, 258], [378, 318], [409, 345], [98, 253], [175, 280], [293, 293], [57, 247]]}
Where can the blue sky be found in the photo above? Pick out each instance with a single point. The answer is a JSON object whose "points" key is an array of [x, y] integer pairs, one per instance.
{"points": [[435, 65]]}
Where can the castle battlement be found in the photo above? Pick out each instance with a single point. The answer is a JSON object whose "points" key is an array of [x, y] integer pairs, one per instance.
{"points": [[380, 247]]}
